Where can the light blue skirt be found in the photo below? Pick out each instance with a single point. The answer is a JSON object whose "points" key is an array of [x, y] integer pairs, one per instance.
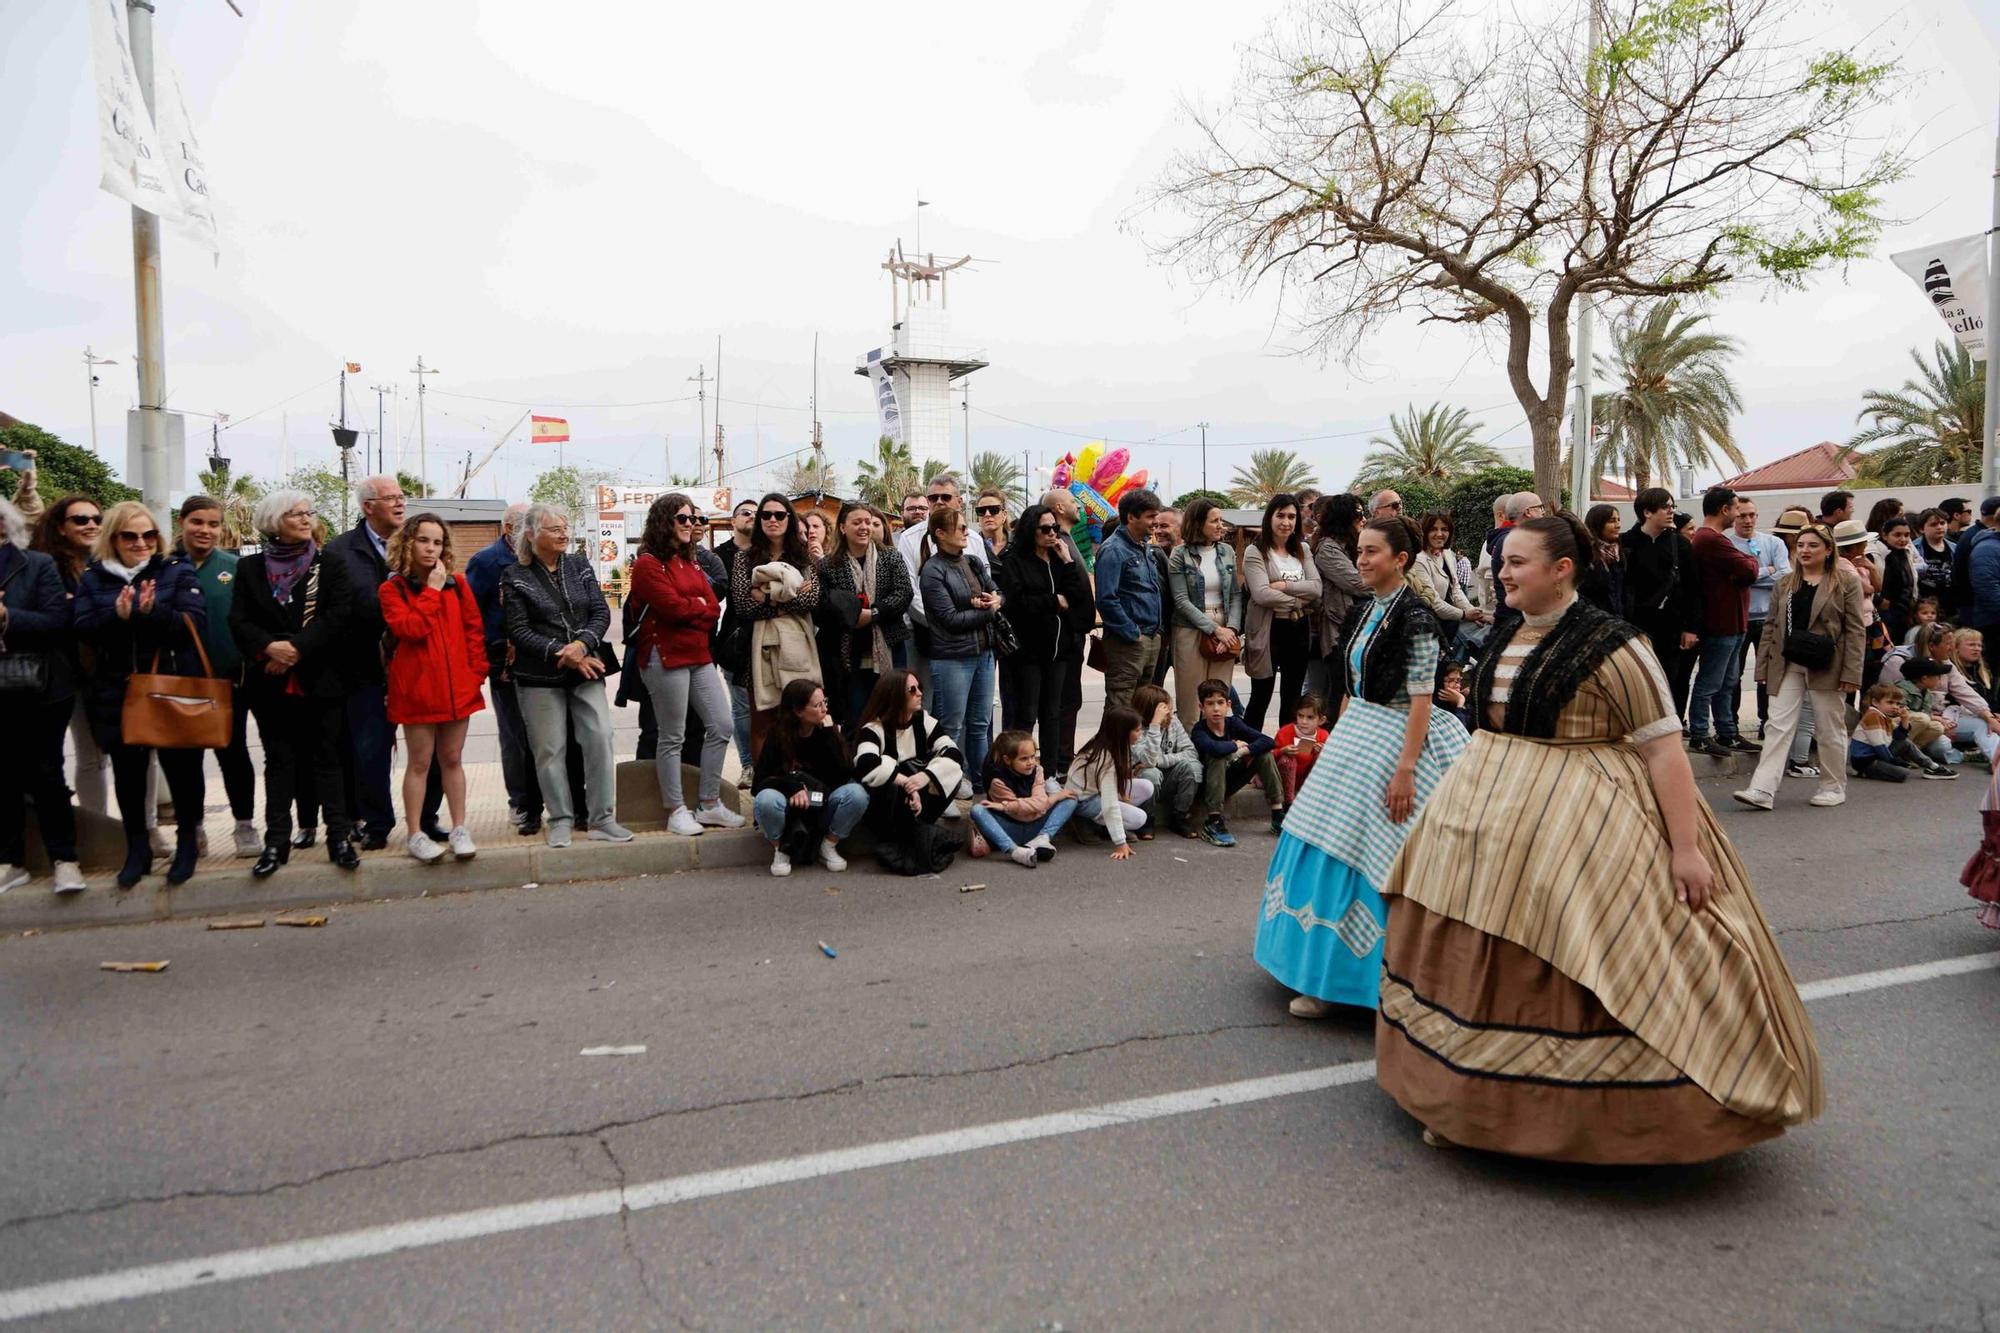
{"points": [[1322, 927]]}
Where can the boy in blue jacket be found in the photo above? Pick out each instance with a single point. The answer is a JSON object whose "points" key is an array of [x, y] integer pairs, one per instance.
{"points": [[1232, 752]]}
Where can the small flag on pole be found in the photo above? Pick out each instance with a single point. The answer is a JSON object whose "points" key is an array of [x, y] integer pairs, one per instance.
{"points": [[550, 430], [354, 367]]}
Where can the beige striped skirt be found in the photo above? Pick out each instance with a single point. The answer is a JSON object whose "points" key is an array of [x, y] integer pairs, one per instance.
{"points": [[1545, 994]]}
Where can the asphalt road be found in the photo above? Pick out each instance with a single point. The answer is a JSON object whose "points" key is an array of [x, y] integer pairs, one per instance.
{"points": [[419, 1059]]}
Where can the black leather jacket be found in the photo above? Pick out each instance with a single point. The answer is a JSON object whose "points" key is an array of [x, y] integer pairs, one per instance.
{"points": [[544, 612]]}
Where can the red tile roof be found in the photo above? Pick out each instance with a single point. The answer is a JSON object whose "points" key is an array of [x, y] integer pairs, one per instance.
{"points": [[1606, 489], [1820, 465]]}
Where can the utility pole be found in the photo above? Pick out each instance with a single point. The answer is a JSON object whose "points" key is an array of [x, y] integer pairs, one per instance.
{"points": [[1581, 441], [700, 380], [1027, 480], [423, 442], [381, 439], [965, 409], [91, 361], [1990, 472], [1204, 453], [718, 409], [152, 363]]}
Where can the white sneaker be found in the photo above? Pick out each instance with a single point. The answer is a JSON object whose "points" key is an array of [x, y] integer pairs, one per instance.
{"points": [[69, 877], [611, 831], [423, 849], [559, 831], [1756, 800], [1309, 1006], [1827, 796], [830, 857], [718, 816], [683, 823], [247, 841], [1044, 849], [13, 877], [461, 843], [781, 865], [1024, 857]]}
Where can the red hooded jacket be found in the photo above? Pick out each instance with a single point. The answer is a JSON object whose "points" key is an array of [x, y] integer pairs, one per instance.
{"points": [[440, 659], [681, 610]]}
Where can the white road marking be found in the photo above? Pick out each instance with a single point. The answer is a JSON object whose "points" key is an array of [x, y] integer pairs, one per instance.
{"points": [[372, 1242]]}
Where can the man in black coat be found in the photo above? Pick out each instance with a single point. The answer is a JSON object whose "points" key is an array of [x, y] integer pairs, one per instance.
{"points": [[363, 555], [1662, 592]]}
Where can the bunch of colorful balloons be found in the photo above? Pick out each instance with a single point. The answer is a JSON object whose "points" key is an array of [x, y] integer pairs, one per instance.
{"points": [[1097, 478]]}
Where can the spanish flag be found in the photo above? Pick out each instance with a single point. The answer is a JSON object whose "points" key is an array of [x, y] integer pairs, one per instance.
{"points": [[550, 430]]}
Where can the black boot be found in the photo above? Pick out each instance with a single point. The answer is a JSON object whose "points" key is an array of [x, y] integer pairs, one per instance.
{"points": [[305, 837], [138, 861], [187, 851], [277, 852]]}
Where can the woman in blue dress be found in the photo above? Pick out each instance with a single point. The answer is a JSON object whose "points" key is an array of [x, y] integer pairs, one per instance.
{"points": [[1323, 919]]}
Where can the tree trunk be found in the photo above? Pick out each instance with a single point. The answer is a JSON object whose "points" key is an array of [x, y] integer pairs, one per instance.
{"points": [[1545, 423]]}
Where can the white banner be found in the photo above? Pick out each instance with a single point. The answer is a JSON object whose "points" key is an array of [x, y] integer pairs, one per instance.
{"points": [[187, 174], [1953, 274], [608, 551], [130, 149], [886, 406]]}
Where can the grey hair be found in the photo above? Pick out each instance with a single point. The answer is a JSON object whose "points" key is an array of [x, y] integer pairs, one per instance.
{"points": [[365, 489], [271, 511], [13, 528], [531, 523], [946, 479], [1520, 502], [1375, 500], [510, 522]]}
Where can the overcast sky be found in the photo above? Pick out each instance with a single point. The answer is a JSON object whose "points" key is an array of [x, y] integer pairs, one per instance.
{"points": [[568, 204]]}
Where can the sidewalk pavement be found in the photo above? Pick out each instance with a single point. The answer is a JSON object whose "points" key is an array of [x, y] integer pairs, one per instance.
{"points": [[222, 884]]}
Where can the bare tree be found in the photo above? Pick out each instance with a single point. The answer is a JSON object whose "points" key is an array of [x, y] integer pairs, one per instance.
{"points": [[1391, 157]]}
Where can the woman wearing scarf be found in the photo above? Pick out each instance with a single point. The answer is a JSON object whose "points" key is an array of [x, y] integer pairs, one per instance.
{"points": [[132, 608], [288, 614], [864, 609]]}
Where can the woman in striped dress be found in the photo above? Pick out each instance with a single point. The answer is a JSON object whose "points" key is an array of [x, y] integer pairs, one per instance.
{"points": [[1323, 918], [1576, 968]]}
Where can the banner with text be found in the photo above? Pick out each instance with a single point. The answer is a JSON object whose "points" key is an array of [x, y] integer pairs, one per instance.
{"points": [[128, 146], [187, 173], [1953, 274], [608, 551]]}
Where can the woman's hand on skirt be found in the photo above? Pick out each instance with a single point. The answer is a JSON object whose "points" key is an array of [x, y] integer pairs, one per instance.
{"points": [[1694, 880], [1401, 798]]}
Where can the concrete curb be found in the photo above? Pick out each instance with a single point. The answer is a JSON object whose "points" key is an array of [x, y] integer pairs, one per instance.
{"points": [[313, 881]]}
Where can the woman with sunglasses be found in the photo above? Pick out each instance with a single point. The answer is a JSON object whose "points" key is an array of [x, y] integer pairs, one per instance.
{"points": [[991, 511], [911, 766], [675, 609], [960, 601], [1049, 604], [131, 606], [66, 533], [775, 587]]}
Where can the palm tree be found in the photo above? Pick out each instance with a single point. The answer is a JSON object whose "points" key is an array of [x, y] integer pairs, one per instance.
{"points": [[884, 480], [1672, 399], [1930, 429], [996, 472], [1436, 445], [1270, 472], [239, 497], [812, 473]]}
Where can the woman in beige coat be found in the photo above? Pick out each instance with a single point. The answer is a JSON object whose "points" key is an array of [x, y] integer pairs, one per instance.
{"points": [[1816, 611]]}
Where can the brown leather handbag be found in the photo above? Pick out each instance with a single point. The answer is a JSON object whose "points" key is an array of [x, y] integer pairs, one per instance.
{"points": [[178, 712]]}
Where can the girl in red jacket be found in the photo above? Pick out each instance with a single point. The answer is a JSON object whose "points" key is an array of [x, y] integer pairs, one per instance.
{"points": [[437, 643], [677, 609]]}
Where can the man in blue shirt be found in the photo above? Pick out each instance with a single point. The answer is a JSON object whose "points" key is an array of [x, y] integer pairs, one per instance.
{"points": [[1128, 599], [1773, 563], [517, 765]]}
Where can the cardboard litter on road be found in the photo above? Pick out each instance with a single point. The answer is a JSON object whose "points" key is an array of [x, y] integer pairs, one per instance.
{"points": [[160, 966], [612, 1050], [238, 923], [300, 920]]}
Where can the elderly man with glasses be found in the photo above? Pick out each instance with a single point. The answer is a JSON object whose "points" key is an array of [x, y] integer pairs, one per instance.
{"points": [[1385, 504], [363, 554]]}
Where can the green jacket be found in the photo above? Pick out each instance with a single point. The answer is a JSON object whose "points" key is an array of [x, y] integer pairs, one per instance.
{"points": [[217, 578]]}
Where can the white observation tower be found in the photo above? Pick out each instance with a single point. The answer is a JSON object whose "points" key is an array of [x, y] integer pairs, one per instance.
{"points": [[913, 374]]}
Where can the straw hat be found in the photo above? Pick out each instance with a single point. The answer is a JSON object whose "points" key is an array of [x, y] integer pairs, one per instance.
{"points": [[1792, 522], [1851, 532]]}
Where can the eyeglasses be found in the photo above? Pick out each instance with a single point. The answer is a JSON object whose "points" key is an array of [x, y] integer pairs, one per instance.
{"points": [[943, 498], [1049, 528], [300, 513], [1389, 507], [914, 688], [986, 511], [149, 535], [85, 520], [685, 520], [775, 515]]}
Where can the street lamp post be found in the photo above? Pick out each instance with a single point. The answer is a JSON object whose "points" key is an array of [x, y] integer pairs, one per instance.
{"points": [[91, 361]]}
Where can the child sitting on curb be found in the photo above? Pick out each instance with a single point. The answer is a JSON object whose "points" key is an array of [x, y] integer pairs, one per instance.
{"points": [[1232, 752], [1023, 809], [1299, 742], [1102, 779], [1921, 693], [1165, 756], [1880, 747]]}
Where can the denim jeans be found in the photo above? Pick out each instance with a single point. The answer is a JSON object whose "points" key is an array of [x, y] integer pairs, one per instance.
{"points": [[965, 704], [739, 716], [844, 807], [1006, 834], [1975, 731], [1712, 692], [672, 690]]}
